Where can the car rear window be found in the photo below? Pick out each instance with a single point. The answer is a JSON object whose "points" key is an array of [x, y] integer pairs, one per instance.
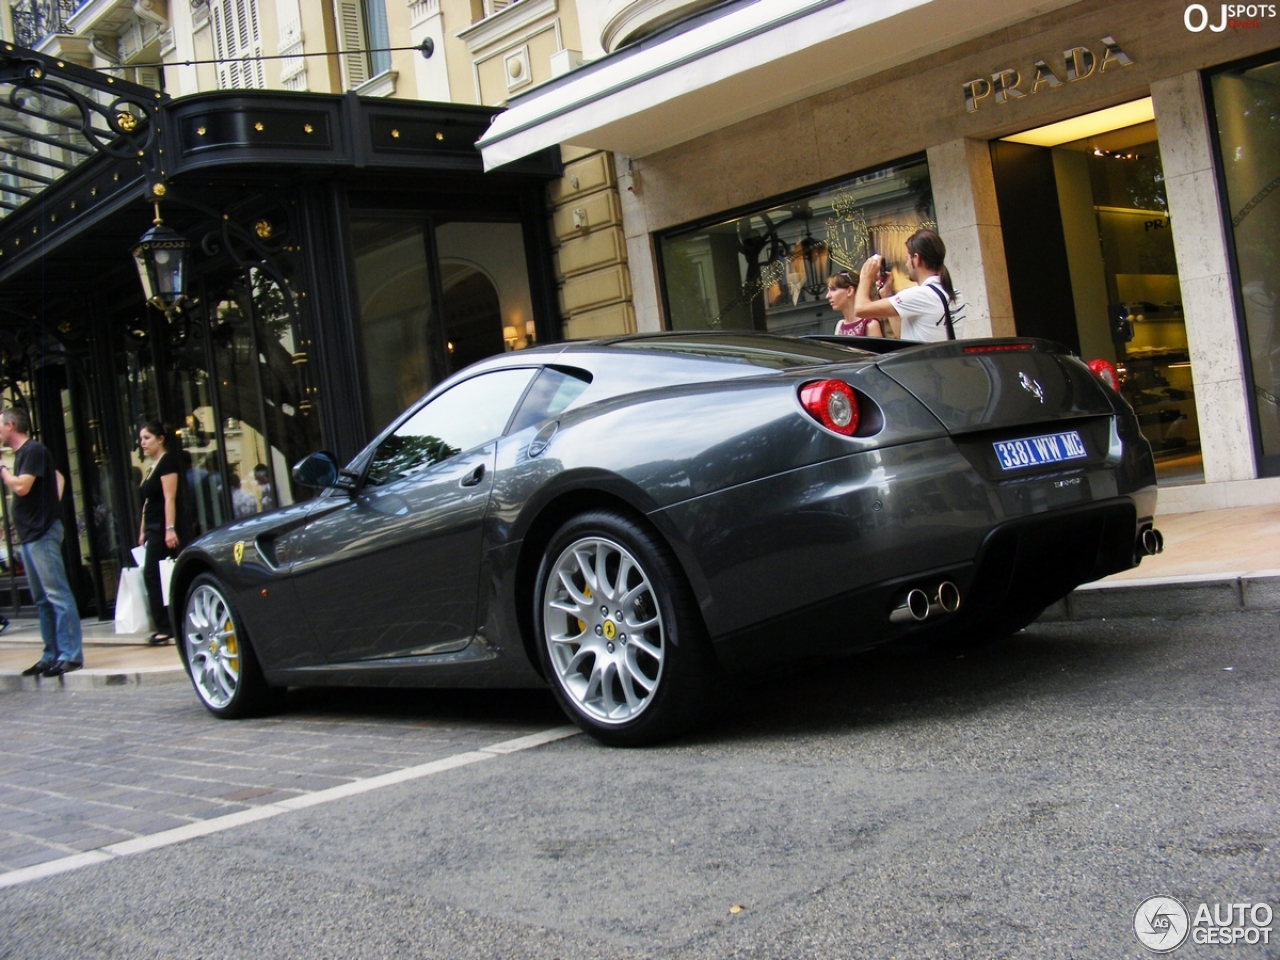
{"points": [[775, 353]]}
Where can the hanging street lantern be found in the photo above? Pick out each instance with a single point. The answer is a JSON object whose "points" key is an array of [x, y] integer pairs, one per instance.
{"points": [[161, 256], [816, 263]]}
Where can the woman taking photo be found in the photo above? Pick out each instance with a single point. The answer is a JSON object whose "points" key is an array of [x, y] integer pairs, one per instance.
{"points": [[840, 292], [159, 532]]}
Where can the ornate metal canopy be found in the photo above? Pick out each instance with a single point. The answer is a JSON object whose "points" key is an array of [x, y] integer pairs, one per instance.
{"points": [[55, 116]]}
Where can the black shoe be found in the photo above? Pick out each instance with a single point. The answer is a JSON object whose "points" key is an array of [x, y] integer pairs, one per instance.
{"points": [[35, 668], [61, 667], [4, 624]]}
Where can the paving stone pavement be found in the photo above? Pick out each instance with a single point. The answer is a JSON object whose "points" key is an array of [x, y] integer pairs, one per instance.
{"points": [[81, 770]]}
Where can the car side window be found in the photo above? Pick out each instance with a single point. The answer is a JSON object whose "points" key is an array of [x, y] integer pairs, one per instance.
{"points": [[552, 392], [460, 419]]}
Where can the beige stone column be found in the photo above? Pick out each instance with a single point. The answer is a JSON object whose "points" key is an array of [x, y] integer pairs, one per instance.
{"points": [[641, 258], [1213, 338], [964, 195]]}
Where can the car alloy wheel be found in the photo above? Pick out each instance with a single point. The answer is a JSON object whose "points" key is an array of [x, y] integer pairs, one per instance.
{"points": [[619, 632], [603, 629], [219, 657]]}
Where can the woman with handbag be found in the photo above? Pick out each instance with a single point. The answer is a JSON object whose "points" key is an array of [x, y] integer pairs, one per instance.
{"points": [[159, 531]]}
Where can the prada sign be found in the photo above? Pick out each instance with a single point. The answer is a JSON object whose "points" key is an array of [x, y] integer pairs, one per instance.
{"points": [[1078, 63]]}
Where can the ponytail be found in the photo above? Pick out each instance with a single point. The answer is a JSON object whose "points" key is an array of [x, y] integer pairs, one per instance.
{"points": [[945, 276]]}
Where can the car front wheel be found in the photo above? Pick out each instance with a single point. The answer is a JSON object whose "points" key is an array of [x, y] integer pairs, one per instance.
{"points": [[219, 658], [620, 635]]}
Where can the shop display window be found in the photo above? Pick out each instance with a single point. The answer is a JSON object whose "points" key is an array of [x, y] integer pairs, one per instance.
{"points": [[436, 295], [1246, 110], [767, 269], [1111, 281]]}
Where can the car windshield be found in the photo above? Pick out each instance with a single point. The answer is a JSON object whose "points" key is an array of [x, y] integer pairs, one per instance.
{"points": [[776, 353]]}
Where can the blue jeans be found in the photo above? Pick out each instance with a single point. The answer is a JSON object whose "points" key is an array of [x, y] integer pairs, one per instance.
{"points": [[55, 603]]}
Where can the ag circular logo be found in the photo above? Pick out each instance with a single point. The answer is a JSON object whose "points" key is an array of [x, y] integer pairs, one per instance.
{"points": [[1161, 924]]}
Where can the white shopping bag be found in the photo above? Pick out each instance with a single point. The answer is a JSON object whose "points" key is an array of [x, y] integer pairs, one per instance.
{"points": [[166, 574], [139, 556], [132, 615]]}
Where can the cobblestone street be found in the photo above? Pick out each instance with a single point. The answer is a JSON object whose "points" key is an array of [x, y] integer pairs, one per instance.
{"points": [[80, 770]]}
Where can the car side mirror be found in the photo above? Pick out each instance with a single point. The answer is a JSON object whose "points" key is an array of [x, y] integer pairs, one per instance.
{"points": [[317, 470]]}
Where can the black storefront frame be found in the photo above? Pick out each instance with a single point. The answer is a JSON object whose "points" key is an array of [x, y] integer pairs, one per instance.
{"points": [[1267, 465], [209, 149]]}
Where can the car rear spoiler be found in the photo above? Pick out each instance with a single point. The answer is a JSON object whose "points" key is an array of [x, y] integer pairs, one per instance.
{"points": [[870, 344]]}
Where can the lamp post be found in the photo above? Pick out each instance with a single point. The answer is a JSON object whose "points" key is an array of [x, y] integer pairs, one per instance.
{"points": [[816, 259], [161, 257]]}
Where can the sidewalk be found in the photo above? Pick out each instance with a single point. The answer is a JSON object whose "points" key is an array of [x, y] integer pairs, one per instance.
{"points": [[110, 660], [1214, 561]]}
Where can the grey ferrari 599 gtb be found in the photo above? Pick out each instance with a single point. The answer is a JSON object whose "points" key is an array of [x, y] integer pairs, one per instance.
{"points": [[626, 519]]}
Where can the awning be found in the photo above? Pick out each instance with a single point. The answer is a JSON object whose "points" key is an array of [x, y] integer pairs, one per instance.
{"points": [[733, 62], [54, 116]]}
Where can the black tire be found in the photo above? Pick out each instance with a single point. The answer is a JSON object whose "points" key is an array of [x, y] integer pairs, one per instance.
{"points": [[585, 647], [217, 653]]}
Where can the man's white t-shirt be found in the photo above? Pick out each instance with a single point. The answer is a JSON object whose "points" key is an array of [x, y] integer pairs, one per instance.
{"points": [[922, 315]]}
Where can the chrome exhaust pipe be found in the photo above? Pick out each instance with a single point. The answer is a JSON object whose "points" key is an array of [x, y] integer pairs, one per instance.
{"points": [[947, 599], [1152, 542], [914, 607]]}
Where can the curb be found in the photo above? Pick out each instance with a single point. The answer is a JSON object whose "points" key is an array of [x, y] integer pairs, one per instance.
{"points": [[1153, 597], [12, 680], [1169, 597]]}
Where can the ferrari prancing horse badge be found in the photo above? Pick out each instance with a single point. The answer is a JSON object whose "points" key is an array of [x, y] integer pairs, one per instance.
{"points": [[238, 552]]}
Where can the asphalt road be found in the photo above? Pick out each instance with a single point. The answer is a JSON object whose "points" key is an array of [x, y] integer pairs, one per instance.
{"points": [[1017, 802]]}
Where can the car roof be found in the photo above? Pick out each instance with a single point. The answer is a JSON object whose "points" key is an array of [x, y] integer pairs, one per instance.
{"points": [[764, 350]]}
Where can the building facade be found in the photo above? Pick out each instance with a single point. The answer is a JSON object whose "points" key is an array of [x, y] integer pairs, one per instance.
{"points": [[1103, 174], [345, 248]]}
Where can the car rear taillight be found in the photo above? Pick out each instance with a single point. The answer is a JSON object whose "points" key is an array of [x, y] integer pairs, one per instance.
{"points": [[1105, 371], [832, 403]]}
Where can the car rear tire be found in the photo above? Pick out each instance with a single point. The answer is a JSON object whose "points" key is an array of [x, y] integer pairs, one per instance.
{"points": [[219, 657], [619, 633]]}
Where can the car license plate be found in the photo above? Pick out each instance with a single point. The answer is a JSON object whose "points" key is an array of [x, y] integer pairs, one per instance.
{"points": [[1034, 451]]}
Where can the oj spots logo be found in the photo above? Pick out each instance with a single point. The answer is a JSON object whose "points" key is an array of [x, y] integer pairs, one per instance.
{"points": [[1231, 16]]}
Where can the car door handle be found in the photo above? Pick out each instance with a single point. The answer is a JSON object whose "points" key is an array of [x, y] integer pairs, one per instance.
{"points": [[474, 477]]}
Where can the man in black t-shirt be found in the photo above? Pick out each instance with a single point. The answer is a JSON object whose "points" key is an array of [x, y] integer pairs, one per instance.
{"points": [[37, 517]]}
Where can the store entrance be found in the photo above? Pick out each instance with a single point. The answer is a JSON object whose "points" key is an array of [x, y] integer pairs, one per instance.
{"points": [[1089, 245]]}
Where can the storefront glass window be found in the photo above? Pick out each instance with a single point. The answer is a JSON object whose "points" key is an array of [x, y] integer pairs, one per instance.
{"points": [[767, 270], [486, 304], [292, 426], [395, 315], [196, 432], [479, 272], [1105, 282], [1246, 105]]}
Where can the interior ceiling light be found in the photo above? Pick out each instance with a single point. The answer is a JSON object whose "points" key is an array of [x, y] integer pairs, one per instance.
{"points": [[1088, 125]]}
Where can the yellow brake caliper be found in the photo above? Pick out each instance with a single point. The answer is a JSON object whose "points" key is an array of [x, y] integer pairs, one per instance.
{"points": [[229, 644], [586, 592]]}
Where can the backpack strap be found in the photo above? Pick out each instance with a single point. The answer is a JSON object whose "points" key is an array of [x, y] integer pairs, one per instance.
{"points": [[946, 308]]}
